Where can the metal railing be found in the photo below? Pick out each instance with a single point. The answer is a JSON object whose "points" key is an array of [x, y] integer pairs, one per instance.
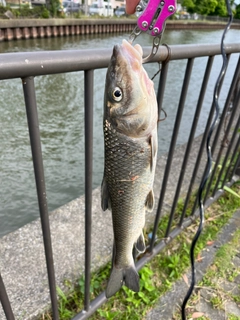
{"points": [[29, 65]]}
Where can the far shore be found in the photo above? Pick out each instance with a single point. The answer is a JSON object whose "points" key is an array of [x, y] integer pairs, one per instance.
{"points": [[171, 24], [15, 29]]}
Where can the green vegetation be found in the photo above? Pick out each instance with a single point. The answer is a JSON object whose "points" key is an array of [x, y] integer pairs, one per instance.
{"points": [[237, 13], [27, 12], [52, 11], [207, 7], [158, 276]]}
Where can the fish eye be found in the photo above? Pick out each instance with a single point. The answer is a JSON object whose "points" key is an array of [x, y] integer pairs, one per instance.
{"points": [[117, 94]]}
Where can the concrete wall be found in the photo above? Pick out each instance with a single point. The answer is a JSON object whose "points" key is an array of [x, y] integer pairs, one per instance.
{"points": [[27, 28], [39, 28]]}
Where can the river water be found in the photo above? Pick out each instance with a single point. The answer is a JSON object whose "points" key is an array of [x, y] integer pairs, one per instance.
{"points": [[60, 104]]}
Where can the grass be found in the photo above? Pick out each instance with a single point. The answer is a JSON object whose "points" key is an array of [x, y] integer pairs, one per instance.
{"points": [[157, 277], [222, 271]]}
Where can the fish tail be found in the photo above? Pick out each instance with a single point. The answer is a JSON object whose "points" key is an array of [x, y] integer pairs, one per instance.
{"points": [[128, 276], [131, 278]]}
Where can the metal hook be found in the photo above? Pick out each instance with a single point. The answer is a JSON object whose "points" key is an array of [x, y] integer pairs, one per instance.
{"points": [[156, 43], [134, 34]]}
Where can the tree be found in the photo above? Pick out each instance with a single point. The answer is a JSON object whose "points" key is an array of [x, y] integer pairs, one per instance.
{"points": [[205, 7], [54, 7], [221, 9], [189, 5], [237, 14]]}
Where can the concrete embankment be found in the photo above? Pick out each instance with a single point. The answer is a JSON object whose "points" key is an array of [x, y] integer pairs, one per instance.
{"points": [[40, 28]]}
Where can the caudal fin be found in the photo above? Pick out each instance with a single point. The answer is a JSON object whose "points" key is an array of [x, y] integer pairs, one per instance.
{"points": [[128, 276]]}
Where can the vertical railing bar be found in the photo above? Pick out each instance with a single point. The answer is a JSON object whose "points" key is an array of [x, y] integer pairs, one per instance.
{"points": [[230, 145], [193, 129], [229, 127], [231, 161], [219, 128], [204, 139], [237, 163], [172, 148], [34, 133], [220, 152], [161, 86], [226, 105], [5, 301], [88, 121], [182, 172], [219, 156], [190, 141]]}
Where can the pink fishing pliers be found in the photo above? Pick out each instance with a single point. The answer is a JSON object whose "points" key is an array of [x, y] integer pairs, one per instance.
{"points": [[152, 16]]}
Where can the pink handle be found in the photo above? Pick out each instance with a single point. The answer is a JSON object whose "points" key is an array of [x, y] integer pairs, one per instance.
{"points": [[145, 21]]}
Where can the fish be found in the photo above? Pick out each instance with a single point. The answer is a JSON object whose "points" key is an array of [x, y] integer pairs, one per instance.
{"points": [[130, 150]]}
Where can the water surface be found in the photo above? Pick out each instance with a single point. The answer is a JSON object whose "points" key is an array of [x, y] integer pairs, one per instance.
{"points": [[60, 104]]}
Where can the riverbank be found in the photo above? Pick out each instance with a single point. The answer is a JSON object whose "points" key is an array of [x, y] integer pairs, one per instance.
{"points": [[39, 28]]}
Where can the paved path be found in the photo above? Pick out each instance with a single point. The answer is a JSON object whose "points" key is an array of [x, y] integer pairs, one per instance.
{"points": [[169, 303]]}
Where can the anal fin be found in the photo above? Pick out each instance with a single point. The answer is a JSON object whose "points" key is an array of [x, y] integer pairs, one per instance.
{"points": [[140, 244]]}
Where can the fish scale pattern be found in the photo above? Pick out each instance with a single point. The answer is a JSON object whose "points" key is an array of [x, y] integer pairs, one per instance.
{"points": [[129, 180]]}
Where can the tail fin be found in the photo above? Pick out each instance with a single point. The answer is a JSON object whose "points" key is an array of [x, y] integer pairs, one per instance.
{"points": [[128, 276]]}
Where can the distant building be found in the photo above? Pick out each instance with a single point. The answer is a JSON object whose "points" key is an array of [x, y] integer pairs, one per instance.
{"points": [[114, 3], [118, 3], [16, 2]]}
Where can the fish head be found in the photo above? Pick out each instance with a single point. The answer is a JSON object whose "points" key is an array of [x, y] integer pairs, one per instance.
{"points": [[130, 102]]}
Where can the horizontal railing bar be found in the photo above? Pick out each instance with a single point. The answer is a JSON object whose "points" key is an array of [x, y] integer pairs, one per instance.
{"points": [[26, 64]]}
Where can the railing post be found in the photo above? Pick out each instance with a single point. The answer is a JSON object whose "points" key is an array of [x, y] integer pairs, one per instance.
{"points": [[34, 133], [5, 301], [88, 120]]}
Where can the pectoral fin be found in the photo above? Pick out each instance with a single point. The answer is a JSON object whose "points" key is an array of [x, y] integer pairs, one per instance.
{"points": [[105, 202], [150, 201], [153, 145]]}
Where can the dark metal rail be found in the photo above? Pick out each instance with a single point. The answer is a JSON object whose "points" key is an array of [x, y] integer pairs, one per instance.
{"points": [[28, 65]]}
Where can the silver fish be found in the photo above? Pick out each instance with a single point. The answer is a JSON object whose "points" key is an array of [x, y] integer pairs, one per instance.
{"points": [[130, 135]]}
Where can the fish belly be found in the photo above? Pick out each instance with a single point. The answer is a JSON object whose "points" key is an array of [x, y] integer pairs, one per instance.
{"points": [[129, 180]]}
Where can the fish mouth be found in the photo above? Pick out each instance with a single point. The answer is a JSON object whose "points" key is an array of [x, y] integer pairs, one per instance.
{"points": [[132, 55]]}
